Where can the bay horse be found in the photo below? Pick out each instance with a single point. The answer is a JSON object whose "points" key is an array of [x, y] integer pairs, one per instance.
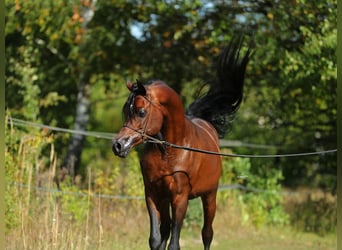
{"points": [[173, 176]]}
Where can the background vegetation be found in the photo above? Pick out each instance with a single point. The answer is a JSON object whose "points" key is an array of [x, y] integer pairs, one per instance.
{"points": [[67, 62]]}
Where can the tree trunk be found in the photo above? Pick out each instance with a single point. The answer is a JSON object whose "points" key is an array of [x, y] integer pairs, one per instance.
{"points": [[72, 160]]}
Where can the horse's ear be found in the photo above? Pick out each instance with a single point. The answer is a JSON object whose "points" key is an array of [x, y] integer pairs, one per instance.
{"points": [[139, 88], [129, 85]]}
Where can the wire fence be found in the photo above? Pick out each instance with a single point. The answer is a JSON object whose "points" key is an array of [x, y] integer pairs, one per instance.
{"points": [[221, 188], [110, 136], [223, 143]]}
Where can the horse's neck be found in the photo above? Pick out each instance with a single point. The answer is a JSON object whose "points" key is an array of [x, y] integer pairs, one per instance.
{"points": [[176, 129], [175, 124]]}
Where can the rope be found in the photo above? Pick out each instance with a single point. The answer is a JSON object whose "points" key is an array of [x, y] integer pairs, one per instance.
{"points": [[110, 136], [249, 156], [22, 123], [168, 144]]}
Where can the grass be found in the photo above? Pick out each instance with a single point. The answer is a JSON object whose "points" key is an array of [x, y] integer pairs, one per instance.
{"points": [[47, 223], [41, 219], [264, 239]]}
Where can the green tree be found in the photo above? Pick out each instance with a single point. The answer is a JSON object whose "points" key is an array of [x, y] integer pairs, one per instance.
{"points": [[55, 40], [54, 51], [293, 88]]}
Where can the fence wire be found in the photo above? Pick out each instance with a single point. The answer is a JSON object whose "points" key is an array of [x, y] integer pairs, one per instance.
{"points": [[110, 136], [221, 188], [223, 143]]}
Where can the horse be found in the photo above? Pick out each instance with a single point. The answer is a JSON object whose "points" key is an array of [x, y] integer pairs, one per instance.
{"points": [[173, 176]]}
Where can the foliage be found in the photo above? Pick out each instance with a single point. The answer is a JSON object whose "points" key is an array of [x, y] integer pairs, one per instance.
{"points": [[314, 213], [261, 201], [24, 160], [11, 218], [290, 93], [294, 99], [256, 197], [122, 178], [194, 215], [75, 207]]}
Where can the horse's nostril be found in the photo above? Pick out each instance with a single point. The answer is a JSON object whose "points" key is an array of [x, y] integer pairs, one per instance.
{"points": [[116, 147]]}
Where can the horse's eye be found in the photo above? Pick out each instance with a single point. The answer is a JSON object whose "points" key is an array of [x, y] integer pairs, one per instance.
{"points": [[141, 113]]}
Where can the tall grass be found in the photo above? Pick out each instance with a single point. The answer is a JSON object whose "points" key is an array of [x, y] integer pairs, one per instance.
{"points": [[53, 220], [38, 216]]}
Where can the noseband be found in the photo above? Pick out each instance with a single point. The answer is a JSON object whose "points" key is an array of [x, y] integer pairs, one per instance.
{"points": [[158, 138]]}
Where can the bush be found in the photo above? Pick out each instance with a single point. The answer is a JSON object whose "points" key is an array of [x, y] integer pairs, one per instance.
{"points": [[316, 212], [255, 197], [258, 198]]}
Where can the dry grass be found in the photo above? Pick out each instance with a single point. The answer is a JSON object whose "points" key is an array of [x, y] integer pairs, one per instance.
{"points": [[45, 224], [43, 219], [122, 224]]}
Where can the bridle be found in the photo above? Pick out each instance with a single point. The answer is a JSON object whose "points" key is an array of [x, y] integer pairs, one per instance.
{"points": [[158, 139], [145, 137]]}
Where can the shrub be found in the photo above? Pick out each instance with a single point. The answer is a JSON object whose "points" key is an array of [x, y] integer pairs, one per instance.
{"points": [[259, 196]]}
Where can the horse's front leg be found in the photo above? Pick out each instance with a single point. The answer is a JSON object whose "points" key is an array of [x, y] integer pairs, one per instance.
{"points": [[155, 236], [159, 222], [180, 188]]}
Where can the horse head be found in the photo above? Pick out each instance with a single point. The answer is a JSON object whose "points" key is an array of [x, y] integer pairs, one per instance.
{"points": [[143, 117]]}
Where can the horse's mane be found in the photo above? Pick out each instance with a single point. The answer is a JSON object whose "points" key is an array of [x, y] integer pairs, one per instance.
{"points": [[223, 99]]}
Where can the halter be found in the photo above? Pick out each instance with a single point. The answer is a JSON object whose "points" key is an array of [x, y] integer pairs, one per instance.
{"points": [[158, 139]]}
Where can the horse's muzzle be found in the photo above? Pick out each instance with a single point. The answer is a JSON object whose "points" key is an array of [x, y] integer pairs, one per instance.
{"points": [[122, 146]]}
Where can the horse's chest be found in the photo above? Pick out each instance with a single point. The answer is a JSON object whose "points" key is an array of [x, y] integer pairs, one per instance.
{"points": [[163, 181], [154, 167], [153, 170]]}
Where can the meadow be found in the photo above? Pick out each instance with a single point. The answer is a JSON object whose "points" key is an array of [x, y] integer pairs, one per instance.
{"points": [[126, 226], [49, 219], [106, 209]]}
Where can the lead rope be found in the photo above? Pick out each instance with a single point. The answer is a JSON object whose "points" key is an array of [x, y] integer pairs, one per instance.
{"points": [[154, 140]]}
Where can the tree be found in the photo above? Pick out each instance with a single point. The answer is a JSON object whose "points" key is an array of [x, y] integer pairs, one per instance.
{"points": [[65, 52], [290, 79], [296, 74]]}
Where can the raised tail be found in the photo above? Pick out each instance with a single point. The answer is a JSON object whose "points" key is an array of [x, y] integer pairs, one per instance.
{"points": [[224, 96]]}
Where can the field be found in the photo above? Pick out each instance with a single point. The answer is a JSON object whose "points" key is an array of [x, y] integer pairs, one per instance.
{"points": [[48, 221], [88, 215]]}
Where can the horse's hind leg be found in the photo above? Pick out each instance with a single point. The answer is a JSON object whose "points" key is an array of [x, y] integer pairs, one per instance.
{"points": [[209, 210]]}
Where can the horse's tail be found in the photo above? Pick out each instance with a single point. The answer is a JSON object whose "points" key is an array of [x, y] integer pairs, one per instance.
{"points": [[225, 93]]}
